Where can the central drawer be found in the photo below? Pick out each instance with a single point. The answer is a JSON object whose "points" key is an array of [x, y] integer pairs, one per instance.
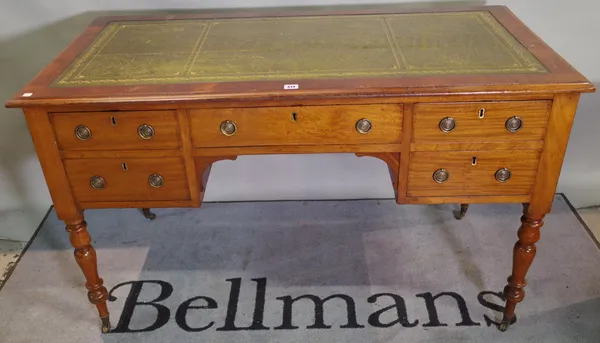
{"points": [[128, 179], [463, 173], [301, 125]]}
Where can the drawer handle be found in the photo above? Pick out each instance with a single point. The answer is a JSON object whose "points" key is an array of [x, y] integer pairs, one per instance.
{"points": [[146, 131], [363, 126], [503, 175], [97, 182], [514, 124], [447, 124], [83, 133], [441, 175], [155, 180], [228, 128]]}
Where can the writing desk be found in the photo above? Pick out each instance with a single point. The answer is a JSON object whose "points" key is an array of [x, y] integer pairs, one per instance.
{"points": [[464, 106]]}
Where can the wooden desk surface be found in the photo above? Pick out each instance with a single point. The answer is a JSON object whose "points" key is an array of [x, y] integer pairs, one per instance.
{"points": [[240, 56]]}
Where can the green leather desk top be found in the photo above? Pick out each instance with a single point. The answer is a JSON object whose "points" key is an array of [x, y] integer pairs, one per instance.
{"points": [[280, 48]]}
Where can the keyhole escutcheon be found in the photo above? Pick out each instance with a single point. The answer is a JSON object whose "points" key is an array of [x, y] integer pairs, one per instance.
{"points": [[474, 161], [481, 113], [294, 117]]}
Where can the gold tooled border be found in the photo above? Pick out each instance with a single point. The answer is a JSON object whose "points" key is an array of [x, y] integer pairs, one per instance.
{"points": [[527, 62]]}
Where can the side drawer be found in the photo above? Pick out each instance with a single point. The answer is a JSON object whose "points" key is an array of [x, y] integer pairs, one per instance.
{"points": [[116, 130], [301, 125], [128, 179], [480, 122], [464, 173]]}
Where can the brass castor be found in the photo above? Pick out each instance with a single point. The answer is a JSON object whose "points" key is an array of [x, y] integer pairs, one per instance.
{"points": [[505, 323], [148, 214], [463, 211], [105, 324]]}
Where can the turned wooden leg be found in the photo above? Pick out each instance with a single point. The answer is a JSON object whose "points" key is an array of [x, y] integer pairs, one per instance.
{"points": [[523, 254], [85, 255], [146, 212], [463, 211]]}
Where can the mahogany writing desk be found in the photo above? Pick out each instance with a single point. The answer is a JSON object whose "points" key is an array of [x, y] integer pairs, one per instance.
{"points": [[464, 106]]}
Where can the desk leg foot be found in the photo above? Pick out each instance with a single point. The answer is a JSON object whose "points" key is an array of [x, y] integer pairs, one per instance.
{"points": [[503, 326], [85, 255], [148, 214], [105, 324], [523, 254], [463, 211], [506, 323]]}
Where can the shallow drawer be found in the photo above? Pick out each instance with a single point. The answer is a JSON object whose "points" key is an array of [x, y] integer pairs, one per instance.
{"points": [[128, 179], [480, 122], [300, 125], [472, 173], [116, 130]]}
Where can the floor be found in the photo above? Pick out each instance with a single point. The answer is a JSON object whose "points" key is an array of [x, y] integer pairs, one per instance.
{"points": [[244, 248], [10, 251], [9, 254], [591, 217]]}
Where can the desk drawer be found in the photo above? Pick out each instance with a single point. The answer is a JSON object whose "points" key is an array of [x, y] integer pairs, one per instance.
{"points": [[360, 124], [116, 130], [480, 122], [128, 179], [472, 173]]}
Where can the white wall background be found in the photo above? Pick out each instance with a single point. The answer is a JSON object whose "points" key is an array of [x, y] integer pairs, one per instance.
{"points": [[32, 32]]}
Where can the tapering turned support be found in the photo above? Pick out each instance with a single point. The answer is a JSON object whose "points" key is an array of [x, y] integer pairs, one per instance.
{"points": [[85, 255], [463, 211], [523, 254], [148, 214]]}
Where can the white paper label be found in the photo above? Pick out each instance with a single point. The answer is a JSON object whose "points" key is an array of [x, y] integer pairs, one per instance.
{"points": [[26, 95], [291, 86]]}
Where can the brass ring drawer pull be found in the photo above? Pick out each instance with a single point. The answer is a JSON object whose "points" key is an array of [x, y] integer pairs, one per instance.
{"points": [[441, 175], [363, 126], [447, 124], [83, 133], [514, 124], [146, 131], [155, 180], [228, 128], [503, 175], [97, 182]]}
